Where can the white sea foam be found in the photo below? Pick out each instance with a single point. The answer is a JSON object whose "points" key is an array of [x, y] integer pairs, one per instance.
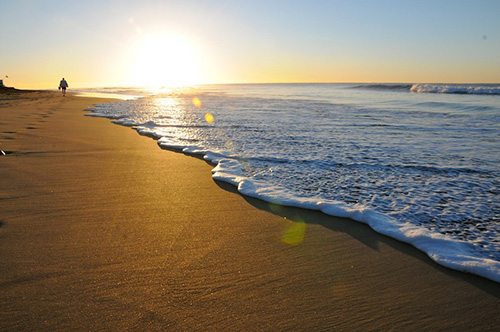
{"points": [[457, 89], [452, 253]]}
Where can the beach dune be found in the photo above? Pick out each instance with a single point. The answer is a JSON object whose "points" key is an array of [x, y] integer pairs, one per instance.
{"points": [[100, 229]]}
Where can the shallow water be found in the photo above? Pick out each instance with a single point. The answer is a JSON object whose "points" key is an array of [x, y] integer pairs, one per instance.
{"points": [[420, 167]]}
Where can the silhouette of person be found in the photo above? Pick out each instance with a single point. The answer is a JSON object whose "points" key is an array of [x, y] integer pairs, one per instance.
{"points": [[63, 85]]}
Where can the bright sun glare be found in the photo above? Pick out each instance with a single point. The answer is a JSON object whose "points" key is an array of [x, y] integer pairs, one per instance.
{"points": [[165, 61]]}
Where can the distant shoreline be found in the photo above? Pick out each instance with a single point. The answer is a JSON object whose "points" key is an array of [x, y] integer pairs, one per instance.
{"points": [[9, 90]]}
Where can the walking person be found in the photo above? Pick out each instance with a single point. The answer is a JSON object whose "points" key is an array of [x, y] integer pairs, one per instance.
{"points": [[63, 85]]}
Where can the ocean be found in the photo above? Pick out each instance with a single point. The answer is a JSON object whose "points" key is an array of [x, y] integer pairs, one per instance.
{"points": [[417, 162]]}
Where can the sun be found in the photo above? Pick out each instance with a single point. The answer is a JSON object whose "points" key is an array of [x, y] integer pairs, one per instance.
{"points": [[165, 61]]}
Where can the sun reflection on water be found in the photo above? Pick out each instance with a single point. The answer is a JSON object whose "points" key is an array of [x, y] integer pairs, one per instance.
{"points": [[166, 102]]}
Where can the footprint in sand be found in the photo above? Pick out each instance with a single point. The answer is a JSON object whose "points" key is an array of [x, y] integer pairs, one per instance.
{"points": [[6, 135], [43, 115]]}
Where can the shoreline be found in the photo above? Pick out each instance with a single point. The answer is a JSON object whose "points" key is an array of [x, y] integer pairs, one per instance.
{"points": [[105, 230], [451, 252]]}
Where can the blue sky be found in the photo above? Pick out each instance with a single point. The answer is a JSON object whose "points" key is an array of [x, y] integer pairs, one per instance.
{"points": [[99, 42]]}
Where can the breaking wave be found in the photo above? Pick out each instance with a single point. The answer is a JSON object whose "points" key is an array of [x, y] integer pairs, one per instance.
{"points": [[479, 89]]}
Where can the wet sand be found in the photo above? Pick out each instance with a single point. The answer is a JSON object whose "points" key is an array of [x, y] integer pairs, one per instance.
{"points": [[102, 230]]}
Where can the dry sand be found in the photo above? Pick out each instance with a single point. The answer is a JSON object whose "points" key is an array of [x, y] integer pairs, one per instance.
{"points": [[102, 230]]}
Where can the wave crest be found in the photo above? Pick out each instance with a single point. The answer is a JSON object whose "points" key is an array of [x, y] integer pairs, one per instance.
{"points": [[382, 86], [456, 88]]}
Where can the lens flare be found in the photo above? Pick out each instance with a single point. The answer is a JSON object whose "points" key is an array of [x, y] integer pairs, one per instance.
{"points": [[276, 207], [294, 235], [209, 118], [196, 102]]}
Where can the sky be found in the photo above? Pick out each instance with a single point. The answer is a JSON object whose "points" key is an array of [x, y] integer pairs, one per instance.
{"points": [[97, 43]]}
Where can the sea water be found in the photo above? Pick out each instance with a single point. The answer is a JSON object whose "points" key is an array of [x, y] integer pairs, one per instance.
{"points": [[417, 162]]}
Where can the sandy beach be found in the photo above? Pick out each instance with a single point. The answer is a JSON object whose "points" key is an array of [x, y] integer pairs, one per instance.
{"points": [[101, 230]]}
